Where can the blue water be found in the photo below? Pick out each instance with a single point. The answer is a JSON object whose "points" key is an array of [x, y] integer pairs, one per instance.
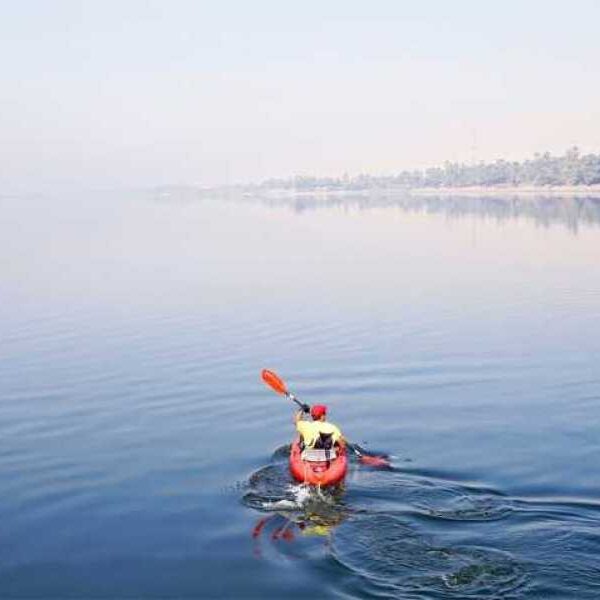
{"points": [[142, 456]]}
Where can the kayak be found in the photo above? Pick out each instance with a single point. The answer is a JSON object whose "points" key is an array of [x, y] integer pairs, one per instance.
{"points": [[318, 467]]}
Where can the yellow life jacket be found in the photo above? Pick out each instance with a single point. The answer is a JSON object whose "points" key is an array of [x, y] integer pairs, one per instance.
{"points": [[310, 430]]}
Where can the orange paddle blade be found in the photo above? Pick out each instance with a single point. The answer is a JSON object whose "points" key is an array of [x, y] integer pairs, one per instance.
{"points": [[274, 381]]}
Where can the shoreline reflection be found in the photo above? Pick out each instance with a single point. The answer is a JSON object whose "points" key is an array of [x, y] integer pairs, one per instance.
{"points": [[545, 211], [571, 212]]}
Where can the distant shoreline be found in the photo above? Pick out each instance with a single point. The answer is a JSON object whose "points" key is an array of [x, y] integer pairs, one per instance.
{"points": [[572, 174], [524, 190], [398, 192]]}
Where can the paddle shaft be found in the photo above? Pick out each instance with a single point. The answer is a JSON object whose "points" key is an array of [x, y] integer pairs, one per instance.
{"points": [[294, 399]]}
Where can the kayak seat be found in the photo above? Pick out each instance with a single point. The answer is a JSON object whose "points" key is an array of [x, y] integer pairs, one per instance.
{"points": [[318, 454], [322, 450]]}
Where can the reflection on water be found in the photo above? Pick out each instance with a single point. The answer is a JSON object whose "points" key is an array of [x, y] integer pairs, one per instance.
{"points": [[544, 210]]}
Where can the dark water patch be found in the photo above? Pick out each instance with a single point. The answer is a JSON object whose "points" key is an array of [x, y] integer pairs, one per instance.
{"points": [[281, 454], [267, 486], [393, 557]]}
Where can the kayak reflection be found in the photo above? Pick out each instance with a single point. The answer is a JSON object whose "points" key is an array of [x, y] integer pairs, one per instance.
{"points": [[317, 513], [283, 526], [296, 509]]}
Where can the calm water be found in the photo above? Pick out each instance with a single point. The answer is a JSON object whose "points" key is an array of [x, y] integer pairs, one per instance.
{"points": [[142, 456]]}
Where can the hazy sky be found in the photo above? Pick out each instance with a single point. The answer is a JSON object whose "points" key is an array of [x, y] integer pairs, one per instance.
{"points": [[132, 93]]}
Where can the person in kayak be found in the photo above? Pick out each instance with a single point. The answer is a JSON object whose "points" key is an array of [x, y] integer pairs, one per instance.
{"points": [[318, 433]]}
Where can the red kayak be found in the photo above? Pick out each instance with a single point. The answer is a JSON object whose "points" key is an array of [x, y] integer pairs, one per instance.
{"points": [[318, 467]]}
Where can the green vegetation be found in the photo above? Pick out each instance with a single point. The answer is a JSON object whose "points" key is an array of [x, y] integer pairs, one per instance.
{"points": [[543, 170]]}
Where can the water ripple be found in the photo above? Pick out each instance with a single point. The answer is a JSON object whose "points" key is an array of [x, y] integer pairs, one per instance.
{"points": [[392, 490], [394, 558]]}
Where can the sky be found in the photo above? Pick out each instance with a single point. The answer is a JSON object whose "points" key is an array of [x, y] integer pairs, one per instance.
{"points": [[136, 93]]}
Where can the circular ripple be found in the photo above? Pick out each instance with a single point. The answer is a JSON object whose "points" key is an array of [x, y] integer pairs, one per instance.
{"points": [[461, 504], [390, 555], [438, 499], [281, 454], [268, 486]]}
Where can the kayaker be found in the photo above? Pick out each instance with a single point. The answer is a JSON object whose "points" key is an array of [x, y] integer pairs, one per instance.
{"points": [[318, 433]]}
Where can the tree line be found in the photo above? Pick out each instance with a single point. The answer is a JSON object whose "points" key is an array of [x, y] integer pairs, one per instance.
{"points": [[572, 168]]}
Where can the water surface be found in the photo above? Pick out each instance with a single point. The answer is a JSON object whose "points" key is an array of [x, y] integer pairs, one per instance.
{"points": [[142, 457]]}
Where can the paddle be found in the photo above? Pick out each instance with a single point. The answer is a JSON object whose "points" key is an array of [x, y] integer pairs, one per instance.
{"points": [[370, 459], [276, 383]]}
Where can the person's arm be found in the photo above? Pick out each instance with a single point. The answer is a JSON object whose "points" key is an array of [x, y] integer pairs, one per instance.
{"points": [[304, 410], [340, 442], [303, 428], [339, 437]]}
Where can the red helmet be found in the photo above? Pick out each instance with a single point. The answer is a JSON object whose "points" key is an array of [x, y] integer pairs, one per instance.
{"points": [[318, 411]]}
